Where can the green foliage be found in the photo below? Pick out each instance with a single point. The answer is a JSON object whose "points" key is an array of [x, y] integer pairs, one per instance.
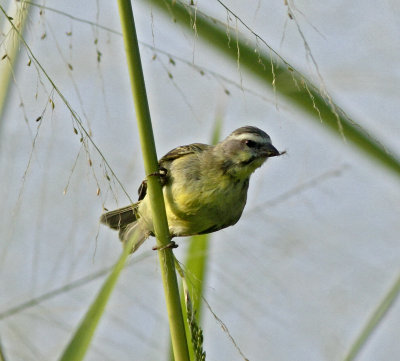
{"points": [[79, 344], [280, 76], [284, 80], [374, 320], [192, 325], [195, 330]]}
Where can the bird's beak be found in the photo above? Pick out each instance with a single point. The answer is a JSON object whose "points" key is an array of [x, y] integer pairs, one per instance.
{"points": [[270, 151]]}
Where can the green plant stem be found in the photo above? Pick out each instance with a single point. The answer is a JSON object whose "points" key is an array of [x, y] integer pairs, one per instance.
{"points": [[166, 256], [278, 75]]}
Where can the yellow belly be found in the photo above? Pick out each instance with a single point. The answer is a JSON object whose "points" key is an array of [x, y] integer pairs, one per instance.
{"points": [[199, 207], [198, 200]]}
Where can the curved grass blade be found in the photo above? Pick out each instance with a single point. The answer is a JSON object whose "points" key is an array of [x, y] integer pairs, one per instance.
{"points": [[374, 321], [279, 75], [79, 344]]}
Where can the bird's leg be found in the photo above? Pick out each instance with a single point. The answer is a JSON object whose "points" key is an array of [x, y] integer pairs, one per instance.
{"points": [[171, 244], [162, 173]]}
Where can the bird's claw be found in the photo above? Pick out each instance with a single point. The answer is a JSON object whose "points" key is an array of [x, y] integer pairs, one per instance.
{"points": [[171, 244], [162, 173]]}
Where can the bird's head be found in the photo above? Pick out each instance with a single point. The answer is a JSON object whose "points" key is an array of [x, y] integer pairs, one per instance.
{"points": [[245, 150]]}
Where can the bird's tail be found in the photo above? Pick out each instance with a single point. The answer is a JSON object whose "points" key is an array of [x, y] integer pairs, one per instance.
{"points": [[121, 217], [127, 221]]}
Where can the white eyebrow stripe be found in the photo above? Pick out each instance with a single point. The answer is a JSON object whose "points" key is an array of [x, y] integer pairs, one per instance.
{"points": [[251, 136]]}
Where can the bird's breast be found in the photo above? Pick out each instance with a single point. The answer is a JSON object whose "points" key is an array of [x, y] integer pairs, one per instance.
{"points": [[203, 203]]}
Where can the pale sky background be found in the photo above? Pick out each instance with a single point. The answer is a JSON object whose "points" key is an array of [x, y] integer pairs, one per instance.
{"points": [[293, 280]]}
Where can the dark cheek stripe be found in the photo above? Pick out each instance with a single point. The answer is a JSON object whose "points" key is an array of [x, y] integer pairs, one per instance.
{"points": [[248, 161]]}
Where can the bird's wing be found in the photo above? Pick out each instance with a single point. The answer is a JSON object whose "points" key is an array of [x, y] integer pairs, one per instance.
{"points": [[182, 151], [169, 157]]}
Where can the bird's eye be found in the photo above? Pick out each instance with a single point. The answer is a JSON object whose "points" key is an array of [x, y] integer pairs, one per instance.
{"points": [[250, 143]]}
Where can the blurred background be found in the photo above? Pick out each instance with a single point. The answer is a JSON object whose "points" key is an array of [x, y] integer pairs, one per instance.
{"points": [[317, 247]]}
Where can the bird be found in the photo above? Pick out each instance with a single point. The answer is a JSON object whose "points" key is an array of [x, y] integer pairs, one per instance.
{"points": [[204, 187]]}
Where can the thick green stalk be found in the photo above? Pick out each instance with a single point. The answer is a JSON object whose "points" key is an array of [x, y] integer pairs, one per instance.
{"points": [[279, 76], [166, 257]]}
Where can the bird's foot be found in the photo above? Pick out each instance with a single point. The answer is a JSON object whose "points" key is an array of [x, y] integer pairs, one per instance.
{"points": [[171, 244], [162, 173]]}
